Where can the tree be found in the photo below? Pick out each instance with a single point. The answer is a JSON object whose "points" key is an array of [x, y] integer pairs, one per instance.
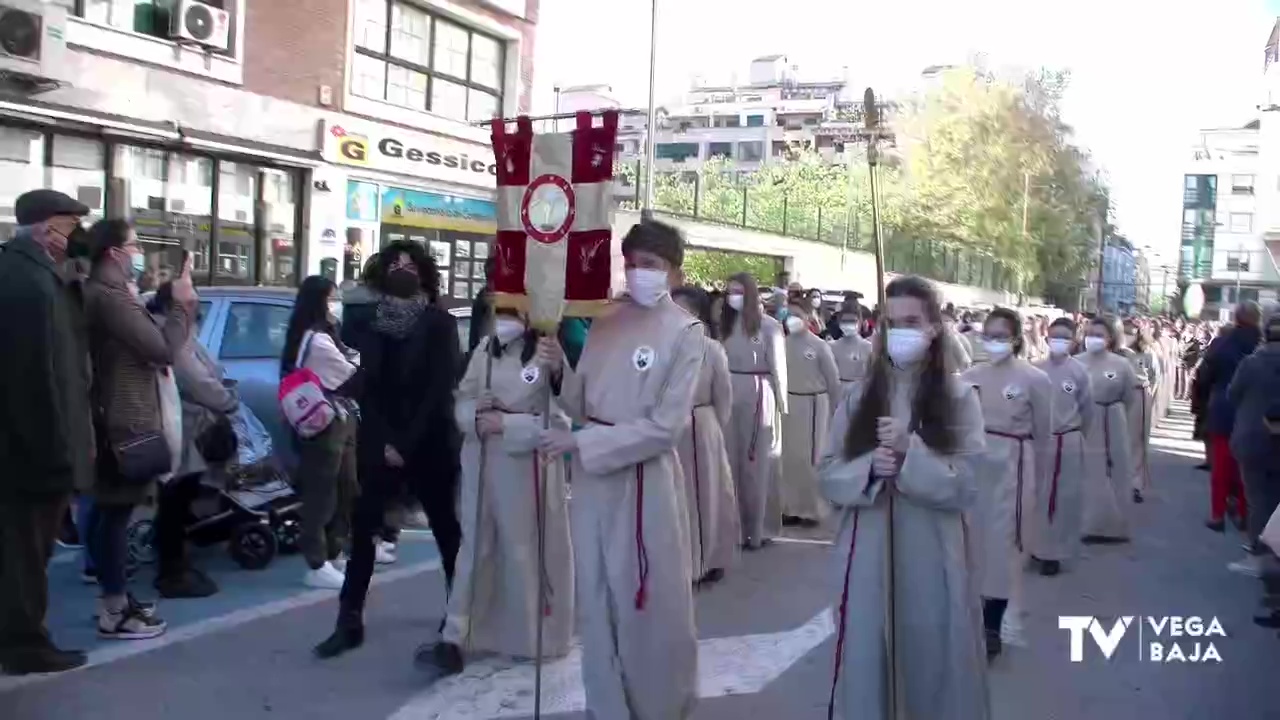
{"points": [[711, 267]]}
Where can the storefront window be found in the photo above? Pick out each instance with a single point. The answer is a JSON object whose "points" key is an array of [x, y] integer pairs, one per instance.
{"points": [[79, 170], [21, 169], [167, 196], [237, 258], [279, 195], [455, 230]]}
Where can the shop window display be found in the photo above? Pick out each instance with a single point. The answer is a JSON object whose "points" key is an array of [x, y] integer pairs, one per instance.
{"points": [[457, 232]]}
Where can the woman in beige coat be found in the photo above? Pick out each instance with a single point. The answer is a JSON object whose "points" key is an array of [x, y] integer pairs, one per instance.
{"points": [[1142, 354], [1107, 486], [710, 500]]}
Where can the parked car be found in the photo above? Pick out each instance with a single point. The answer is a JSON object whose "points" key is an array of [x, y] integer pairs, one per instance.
{"points": [[244, 328]]}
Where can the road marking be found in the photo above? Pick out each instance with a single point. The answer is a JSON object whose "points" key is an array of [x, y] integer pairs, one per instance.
{"points": [[802, 541], [501, 688], [184, 633]]}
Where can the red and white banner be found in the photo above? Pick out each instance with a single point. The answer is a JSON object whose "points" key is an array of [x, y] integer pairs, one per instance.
{"points": [[553, 252]]}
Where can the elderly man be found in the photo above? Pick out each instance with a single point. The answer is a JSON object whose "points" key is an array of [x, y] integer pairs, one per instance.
{"points": [[46, 434]]}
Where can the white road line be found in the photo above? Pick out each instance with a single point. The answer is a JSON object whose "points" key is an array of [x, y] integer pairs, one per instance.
{"points": [[184, 633], [802, 541], [499, 688]]}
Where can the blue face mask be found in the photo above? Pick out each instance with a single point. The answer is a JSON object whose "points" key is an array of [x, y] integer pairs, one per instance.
{"points": [[139, 263], [783, 313]]}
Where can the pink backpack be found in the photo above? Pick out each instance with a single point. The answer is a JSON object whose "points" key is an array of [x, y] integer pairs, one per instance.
{"points": [[303, 401]]}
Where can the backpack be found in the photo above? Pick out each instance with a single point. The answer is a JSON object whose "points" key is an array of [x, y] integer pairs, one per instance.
{"points": [[303, 400]]}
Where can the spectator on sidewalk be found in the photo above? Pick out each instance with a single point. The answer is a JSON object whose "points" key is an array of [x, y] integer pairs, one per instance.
{"points": [[46, 437], [1255, 394], [129, 350], [1216, 372]]}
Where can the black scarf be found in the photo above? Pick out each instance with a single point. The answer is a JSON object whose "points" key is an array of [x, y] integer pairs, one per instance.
{"points": [[397, 316]]}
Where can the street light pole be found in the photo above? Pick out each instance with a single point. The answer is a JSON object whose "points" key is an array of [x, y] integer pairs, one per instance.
{"points": [[652, 124]]}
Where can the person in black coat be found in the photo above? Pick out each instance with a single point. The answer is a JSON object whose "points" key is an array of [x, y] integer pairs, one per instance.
{"points": [[46, 433], [408, 436], [1216, 371]]}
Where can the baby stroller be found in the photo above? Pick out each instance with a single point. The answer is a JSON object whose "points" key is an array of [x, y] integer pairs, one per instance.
{"points": [[248, 502]]}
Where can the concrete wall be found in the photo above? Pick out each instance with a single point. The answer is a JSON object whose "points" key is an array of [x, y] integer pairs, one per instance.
{"points": [[811, 264]]}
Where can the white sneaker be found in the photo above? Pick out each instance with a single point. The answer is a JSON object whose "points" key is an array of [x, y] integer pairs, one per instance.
{"points": [[326, 577], [384, 553], [340, 563], [1250, 566]]}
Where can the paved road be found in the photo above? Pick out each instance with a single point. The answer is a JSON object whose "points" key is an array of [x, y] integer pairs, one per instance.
{"points": [[766, 648]]}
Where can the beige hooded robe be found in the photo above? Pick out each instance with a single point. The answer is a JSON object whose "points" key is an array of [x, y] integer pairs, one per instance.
{"points": [[711, 503], [1015, 399], [941, 655], [851, 353], [1141, 414], [1059, 510], [632, 393], [1107, 486], [758, 371], [502, 551], [813, 386]]}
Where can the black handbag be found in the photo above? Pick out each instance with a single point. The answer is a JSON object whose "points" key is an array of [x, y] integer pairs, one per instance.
{"points": [[142, 458]]}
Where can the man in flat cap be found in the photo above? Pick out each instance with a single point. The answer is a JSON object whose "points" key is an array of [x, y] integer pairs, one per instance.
{"points": [[631, 395], [46, 430]]}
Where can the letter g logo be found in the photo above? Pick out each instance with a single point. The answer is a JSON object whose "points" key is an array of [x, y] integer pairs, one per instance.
{"points": [[353, 150]]}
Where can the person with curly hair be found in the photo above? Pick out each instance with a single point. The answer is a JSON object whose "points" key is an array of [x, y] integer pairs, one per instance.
{"points": [[407, 435]]}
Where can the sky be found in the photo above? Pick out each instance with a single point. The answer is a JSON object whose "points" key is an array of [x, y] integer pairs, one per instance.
{"points": [[1146, 75]]}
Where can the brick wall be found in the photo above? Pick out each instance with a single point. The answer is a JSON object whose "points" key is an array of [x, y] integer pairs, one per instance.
{"points": [[291, 52]]}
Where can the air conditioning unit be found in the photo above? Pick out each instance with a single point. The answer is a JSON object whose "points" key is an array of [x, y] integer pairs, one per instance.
{"points": [[201, 24], [32, 42]]}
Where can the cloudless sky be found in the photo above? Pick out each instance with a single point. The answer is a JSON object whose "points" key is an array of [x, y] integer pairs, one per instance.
{"points": [[1146, 74]]}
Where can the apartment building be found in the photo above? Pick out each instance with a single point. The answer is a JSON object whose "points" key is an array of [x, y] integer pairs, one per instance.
{"points": [[749, 124], [1224, 206], [272, 139]]}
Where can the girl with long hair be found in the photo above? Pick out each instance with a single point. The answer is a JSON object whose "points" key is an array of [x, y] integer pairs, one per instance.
{"points": [[753, 343], [711, 502], [326, 477], [1108, 474], [499, 413], [913, 431], [1141, 352], [1059, 506], [813, 389], [1015, 399]]}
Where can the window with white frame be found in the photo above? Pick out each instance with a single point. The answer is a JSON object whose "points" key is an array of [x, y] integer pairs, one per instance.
{"points": [[1241, 184], [1241, 222], [407, 56], [149, 17]]}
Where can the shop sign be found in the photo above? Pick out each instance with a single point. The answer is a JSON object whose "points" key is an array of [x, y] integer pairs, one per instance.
{"points": [[412, 208], [392, 150]]}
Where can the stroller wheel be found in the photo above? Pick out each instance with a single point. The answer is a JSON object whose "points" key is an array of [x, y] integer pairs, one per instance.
{"points": [[252, 545], [288, 534], [141, 543]]}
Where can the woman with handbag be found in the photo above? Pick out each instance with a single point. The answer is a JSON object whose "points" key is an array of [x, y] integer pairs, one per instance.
{"points": [[207, 438], [326, 477], [130, 352]]}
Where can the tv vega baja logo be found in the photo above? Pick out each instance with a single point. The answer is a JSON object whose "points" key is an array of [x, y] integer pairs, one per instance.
{"points": [[1171, 638]]}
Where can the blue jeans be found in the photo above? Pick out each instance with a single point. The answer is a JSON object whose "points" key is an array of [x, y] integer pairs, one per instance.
{"points": [[84, 512], [108, 546]]}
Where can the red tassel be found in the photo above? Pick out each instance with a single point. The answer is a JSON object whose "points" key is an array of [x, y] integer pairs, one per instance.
{"points": [[844, 609]]}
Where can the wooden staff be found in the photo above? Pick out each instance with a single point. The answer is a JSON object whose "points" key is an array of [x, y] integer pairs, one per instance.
{"points": [[874, 134]]}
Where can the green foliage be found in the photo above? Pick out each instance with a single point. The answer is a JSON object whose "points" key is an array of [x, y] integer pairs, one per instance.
{"points": [[983, 186], [711, 267]]}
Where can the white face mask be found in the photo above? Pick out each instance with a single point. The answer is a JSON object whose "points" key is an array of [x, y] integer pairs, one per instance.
{"points": [[906, 345], [507, 329], [998, 349], [335, 310], [646, 286], [1059, 346], [849, 328], [1094, 344], [735, 301], [794, 324], [816, 302]]}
